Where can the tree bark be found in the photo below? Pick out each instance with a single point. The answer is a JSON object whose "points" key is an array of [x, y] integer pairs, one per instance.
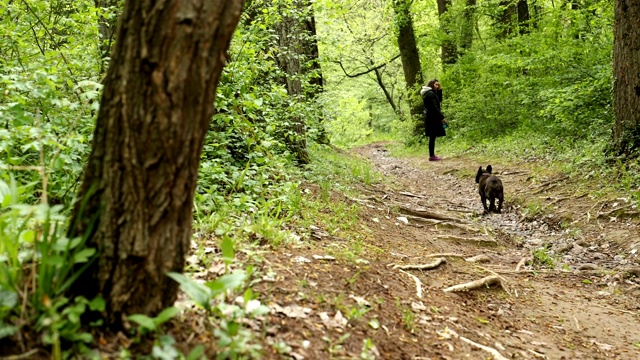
{"points": [[523, 17], [449, 49], [291, 50], [506, 19], [409, 55], [626, 71], [135, 202], [469, 16]]}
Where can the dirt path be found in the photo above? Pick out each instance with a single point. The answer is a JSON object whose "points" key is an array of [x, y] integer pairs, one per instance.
{"points": [[576, 298]]}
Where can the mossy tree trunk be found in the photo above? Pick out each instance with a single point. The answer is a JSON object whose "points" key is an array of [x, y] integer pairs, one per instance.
{"points": [[135, 202]]}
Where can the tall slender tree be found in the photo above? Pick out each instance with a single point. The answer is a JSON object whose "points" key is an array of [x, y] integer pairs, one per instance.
{"points": [[523, 17], [408, 54], [107, 28], [469, 21], [135, 202], [626, 70]]}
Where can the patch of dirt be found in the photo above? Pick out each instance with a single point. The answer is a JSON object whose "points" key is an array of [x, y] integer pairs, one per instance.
{"points": [[576, 300]]}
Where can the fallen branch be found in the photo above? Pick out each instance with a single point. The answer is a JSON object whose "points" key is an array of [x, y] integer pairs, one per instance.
{"points": [[432, 265], [477, 284], [496, 355], [418, 284]]}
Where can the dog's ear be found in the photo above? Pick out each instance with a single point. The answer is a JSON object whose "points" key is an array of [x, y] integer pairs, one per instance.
{"points": [[489, 169], [478, 174]]}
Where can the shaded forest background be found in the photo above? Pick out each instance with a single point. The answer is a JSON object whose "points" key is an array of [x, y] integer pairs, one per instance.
{"points": [[523, 81]]}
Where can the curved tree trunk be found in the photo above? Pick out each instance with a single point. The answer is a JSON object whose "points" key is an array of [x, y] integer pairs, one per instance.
{"points": [[409, 54], [135, 201], [626, 70]]}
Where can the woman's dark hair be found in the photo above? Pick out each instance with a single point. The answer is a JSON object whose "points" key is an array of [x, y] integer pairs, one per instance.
{"points": [[431, 82]]}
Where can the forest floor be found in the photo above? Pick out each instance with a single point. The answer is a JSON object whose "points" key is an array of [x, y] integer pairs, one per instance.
{"points": [[563, 264]]}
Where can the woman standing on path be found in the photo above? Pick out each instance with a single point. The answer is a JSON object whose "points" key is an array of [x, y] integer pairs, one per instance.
{"points": [[434, 121]]}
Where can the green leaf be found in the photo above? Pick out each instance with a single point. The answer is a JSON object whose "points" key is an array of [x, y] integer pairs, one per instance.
{"points": [[227, 250], [197, 353], [166, 315], [198, 293], [83, 256], [8, 299], [143, 320], [97, 304], [227, 282]]}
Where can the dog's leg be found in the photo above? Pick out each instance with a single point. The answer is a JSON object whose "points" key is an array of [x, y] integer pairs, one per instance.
{"points": [[500, 200], [492, 203], [484, 202]]}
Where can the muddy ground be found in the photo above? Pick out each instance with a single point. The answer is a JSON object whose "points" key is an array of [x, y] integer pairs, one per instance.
{"points": [[563, 265]]}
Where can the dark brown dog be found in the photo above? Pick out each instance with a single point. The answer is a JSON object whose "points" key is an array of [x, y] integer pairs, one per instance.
{"points": [[490, 187]]}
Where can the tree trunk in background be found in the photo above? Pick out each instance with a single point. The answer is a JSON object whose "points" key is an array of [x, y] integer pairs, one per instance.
{"points": [[506, 19], [107, 29], [523, 17], [449, 50], [135, 201], [626, 71], [316, 82], [409, 55], [469, 16], [291, 49]]}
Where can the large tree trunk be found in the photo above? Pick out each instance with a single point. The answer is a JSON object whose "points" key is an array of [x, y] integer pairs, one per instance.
{"points": [[409, 55], [506, 19], [291, 50], [626, 70], [449, 50], [135, 201]]}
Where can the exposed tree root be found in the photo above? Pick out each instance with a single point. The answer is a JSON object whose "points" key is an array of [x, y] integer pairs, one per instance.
{"points": [[542, 189], [418, 283], [523, 262], [616, 209], [432, 265], [496, 355], [430, 214], [467, 239], [461, 226], [406, 193], [477, 284], [478, 259], [445, 255]]}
